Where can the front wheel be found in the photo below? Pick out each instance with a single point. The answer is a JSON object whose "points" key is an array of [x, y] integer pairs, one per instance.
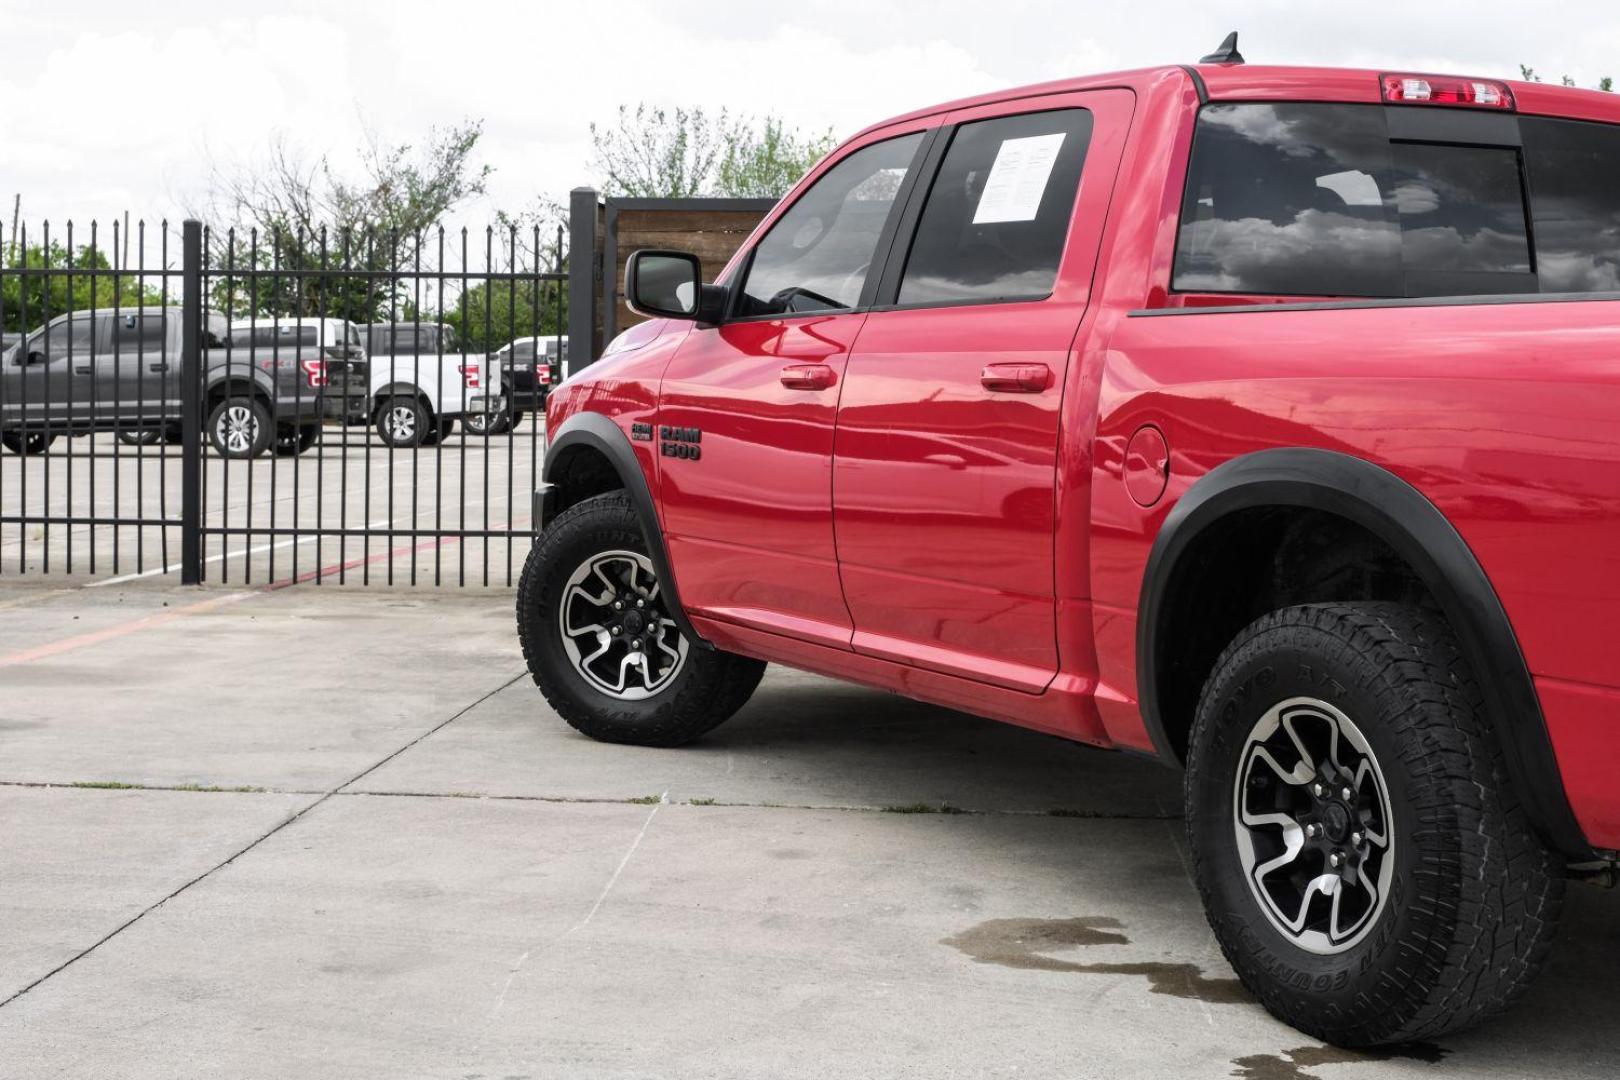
{"points": [[600, 641], [27, 443], [141, 436], [496, 421], [1362, 857], [293, 441]]}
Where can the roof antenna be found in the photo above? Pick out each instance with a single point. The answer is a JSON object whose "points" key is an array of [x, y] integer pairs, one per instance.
{"points": [[1226, 54]]}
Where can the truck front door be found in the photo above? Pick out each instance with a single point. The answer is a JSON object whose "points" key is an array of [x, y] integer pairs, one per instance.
{"points": [[746, 408]]}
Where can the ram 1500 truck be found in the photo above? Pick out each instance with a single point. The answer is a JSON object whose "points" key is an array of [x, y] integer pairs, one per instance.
{"points": [[1263, 419], [108, 369]]}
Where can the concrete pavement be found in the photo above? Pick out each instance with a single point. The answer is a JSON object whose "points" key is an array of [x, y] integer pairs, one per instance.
{"points": [[355, 843]]}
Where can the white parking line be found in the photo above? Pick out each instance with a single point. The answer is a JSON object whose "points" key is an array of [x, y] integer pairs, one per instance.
{"points": [[261, 549]]}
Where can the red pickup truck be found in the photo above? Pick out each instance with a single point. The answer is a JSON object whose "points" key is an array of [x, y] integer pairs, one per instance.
{"points": [[1262, 419]]}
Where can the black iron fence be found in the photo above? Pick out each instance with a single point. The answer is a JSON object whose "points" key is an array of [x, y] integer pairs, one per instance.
{"points": [[298, 405]]}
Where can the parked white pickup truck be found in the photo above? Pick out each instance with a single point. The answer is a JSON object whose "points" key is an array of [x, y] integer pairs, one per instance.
{"points": [[421, 381]]}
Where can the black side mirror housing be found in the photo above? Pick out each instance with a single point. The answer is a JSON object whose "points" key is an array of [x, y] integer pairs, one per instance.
{"points": [[669, 285]]}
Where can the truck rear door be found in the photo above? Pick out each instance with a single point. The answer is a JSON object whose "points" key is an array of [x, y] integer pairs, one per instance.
{"points": [[947, 441]]}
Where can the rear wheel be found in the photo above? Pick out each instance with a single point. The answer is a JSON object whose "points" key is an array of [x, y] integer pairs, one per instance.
{"points": [[1363, 859], [402, 422], [239, 427], [601, 644], [27, 443]]}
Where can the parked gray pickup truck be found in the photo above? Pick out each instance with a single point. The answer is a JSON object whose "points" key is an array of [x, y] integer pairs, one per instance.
{"points": [[105, 370]]}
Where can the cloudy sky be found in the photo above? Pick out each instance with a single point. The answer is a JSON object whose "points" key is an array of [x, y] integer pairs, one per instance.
{"points": [[110, 106]]}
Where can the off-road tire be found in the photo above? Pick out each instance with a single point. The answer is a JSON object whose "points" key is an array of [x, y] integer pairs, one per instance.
{"points": [[1470, 914], [709, 688]]}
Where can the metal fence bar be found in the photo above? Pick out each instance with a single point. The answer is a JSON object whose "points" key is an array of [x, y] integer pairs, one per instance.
{"points": [[191, 299], [126, 368]]}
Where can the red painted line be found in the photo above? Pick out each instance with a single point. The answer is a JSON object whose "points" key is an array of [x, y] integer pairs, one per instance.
{"points": [[147, 622], [96, 637]]}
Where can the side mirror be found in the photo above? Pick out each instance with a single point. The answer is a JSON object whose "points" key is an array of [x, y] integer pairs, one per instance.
{"points": [[35, 357], [669, 285]]}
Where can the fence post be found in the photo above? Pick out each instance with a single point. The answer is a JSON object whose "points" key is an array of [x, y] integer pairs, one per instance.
{"points": [[583, 268], [191, 403]]}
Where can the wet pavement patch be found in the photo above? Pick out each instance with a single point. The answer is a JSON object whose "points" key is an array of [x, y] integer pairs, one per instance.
{"points": [[1024, 944], [1292, 1064]]}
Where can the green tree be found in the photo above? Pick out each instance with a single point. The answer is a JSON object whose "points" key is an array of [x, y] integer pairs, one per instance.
{"points": [[767, 162], [31, 300], [493, 313], [311, 222], [653, 152], [1528, 74]]}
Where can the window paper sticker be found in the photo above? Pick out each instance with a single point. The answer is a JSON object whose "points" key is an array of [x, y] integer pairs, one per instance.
{"points": [[1018, 179]]}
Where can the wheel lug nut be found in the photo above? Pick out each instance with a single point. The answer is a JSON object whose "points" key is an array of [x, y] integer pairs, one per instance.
{"points": [[641, 603], [615, 631], [618, 605], [1335, 859], [1347, 794], [1355, 838], [1317, 790], [635, 645], [1312, 829]]}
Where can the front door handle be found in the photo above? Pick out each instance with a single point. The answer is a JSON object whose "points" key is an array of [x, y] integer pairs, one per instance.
{"points": [[1016, 378], [86, 370], [157, 367], [808, 376]]}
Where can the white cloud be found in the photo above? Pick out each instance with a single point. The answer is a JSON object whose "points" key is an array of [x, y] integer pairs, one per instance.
{"points": [[112, 107]]}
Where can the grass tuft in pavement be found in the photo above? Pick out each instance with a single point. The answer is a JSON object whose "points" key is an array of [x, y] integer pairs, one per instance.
{"points": [[924, 808]]}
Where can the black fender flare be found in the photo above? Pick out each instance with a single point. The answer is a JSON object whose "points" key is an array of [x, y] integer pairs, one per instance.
{"points": [[1402, 517], [602, 435]]}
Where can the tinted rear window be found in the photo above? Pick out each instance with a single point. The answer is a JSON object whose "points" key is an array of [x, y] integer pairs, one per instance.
{"points": [[1314, 199], [998, 212], [271, 335], [1575, 201]]}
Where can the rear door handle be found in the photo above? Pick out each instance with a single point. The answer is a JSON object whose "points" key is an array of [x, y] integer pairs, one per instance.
{"points": [[81, 370], [1016, 378], [808, 376], [157, 367]]}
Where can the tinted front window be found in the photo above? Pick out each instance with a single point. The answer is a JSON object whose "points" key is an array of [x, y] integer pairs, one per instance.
{"points": [[1575, 202], [998, 211], [1312, 199], [818, 254], [76, 335]]}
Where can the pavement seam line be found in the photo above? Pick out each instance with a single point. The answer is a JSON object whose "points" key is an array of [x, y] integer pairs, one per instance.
{"points": [[144, 912], [601, 898], [610, 800]]}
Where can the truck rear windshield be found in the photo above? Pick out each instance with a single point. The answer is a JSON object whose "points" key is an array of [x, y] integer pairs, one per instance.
{"points": [[1321, 200]]}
